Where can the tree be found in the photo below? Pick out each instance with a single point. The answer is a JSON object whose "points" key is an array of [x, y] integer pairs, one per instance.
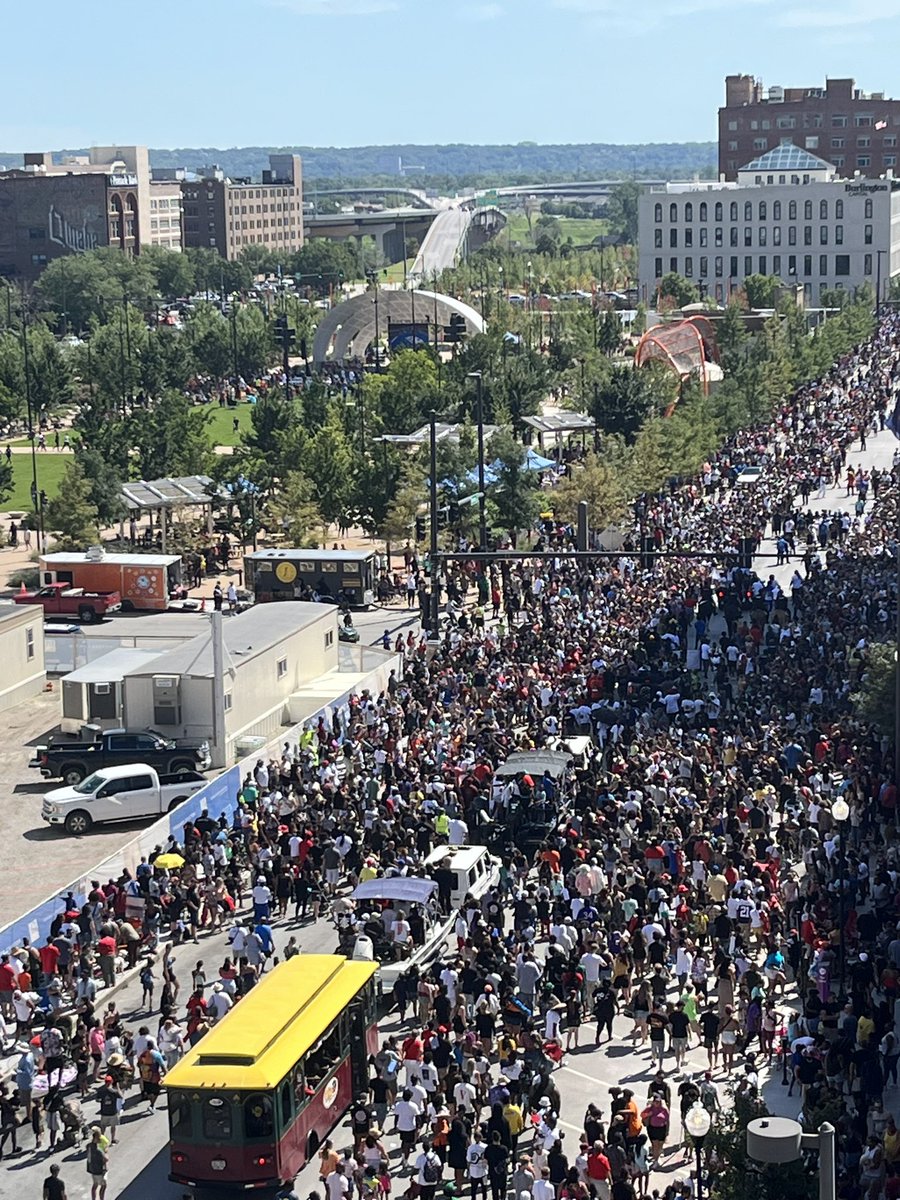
{"points": [[602, 483], [255, 347], [623, 402], [49, 371], [622, 210], [209, 338], [400, 517], [609, 332], [761, 290], [170, 437], [875, 699], [73, 515], [404, 395], [105, 483], [548, 235], [514, 495], [173, 272], [735, 1176], [731, 335], [329, 463], [295, 511], [678, 290]]}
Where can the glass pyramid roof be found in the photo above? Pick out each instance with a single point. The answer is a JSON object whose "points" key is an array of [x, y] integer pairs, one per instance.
{"points": [[788, 157]]}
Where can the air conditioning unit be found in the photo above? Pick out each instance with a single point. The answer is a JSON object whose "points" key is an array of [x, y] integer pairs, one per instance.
{"points": [[167, 699]]}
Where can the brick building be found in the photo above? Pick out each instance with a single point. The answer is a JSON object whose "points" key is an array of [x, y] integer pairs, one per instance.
{"points": [[104, 198], [226, 215], [854, 130]]}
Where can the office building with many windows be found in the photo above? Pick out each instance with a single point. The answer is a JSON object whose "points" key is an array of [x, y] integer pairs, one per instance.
{"points": [[226, 215], [855, 131], [787, 214]]}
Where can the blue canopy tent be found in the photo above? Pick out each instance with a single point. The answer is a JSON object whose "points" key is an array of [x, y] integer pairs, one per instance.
{"points": [[533, 462]]}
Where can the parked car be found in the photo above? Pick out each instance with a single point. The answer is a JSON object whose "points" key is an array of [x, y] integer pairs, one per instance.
{"points": [[118, 794], [72, 761]]}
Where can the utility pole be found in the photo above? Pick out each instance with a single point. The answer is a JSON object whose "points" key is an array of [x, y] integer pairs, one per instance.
{"points": [[479, 418], [435, 598], [26, 365]]}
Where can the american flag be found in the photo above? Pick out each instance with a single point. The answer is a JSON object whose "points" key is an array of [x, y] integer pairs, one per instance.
{"points": [[881, 124]]}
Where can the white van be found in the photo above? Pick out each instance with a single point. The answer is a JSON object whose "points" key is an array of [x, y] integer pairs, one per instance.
{"points": [[476, 871]]}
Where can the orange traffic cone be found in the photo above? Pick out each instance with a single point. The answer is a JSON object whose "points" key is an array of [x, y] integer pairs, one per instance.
{"points": [[23, 590], [203, 604]]}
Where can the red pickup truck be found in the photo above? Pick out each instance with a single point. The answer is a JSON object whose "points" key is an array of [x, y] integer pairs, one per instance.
{"points": [[60, 598]]}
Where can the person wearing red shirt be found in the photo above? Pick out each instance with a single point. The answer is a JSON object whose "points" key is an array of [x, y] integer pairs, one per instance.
{"points": [[7, 986], [49, 959], [106, 948]]}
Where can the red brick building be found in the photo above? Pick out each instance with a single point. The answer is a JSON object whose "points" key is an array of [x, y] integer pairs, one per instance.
{"points": [[856, 131]]}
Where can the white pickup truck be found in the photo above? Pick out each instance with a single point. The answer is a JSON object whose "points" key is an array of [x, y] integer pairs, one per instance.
{"points": [[123, 793]]}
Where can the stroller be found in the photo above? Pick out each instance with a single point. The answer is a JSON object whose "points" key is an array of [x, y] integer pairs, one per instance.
{"points": [[74, 1126]]}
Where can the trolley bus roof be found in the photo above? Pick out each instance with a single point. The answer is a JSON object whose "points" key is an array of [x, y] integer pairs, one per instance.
{"points": [[272, 1027]]}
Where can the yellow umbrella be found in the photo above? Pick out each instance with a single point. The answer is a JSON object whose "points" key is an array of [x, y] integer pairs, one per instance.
{"points": [[168, 860]]}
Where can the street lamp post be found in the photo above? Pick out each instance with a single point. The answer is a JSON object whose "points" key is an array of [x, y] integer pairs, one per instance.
{"points": [[377, 333], [26, 368], [697, 1122], [434, 600], [840, 810]]}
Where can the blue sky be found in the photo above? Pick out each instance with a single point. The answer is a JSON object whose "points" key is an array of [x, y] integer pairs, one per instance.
{"points": [[223, 73]]}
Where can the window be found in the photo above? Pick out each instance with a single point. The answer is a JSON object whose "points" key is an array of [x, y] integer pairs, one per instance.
{"points": [[657, 214], [841, 264], [733, 210], [839, 210], [765, 124], [748, 265], [748, 210], [792, 235], [807, 235], [762, 210], [704, 212], [823, 264], [733, 265], [838, 160], [776, 236], [776, 264], [29, 644], [733, 236], [838, 122], [807, 264], [689, 237], [839, 235], [837, 143], [863, 160], [812, 143], [688, 211], [704, 235], [776, 210], [229, 699], [863, 120], [807, 210], [760, 143], [869, 208], [823, 210], [792, 264], [689, 268], [673, 264], [215, 1116], [281, 668], [718, 237], [863, 143], [890, 160], [762, 265], [867, 264], [658, 268], [259, 1119], [329, 636], [718, 210], [786, 123], [889, 139], [704, 266], [657, 239], [673, 239], [792, 210], [673, 212], [867, 235], [720, 266], [732, 126], [761, 237], [823, 235]]}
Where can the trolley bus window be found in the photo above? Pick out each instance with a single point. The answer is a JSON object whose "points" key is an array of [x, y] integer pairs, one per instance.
{"points": [[350, 568], [287, 1106], [299, 1083], [321, 1061], [258, 1117], [216, 1119], [179, 1114]]}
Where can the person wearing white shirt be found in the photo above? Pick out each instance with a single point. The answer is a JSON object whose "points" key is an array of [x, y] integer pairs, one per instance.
{"points": [[543, 1189], [458, 832]]}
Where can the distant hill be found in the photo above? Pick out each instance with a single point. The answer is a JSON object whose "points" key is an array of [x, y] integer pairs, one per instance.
{"points": [[459, 165]]}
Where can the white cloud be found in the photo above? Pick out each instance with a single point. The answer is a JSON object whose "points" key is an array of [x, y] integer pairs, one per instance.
{"points": [[335, 8], [838, 14], [482, 12], [611, 16]]}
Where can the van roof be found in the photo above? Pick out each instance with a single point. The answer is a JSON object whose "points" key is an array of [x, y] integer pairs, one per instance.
{"points": [[460, 856]]}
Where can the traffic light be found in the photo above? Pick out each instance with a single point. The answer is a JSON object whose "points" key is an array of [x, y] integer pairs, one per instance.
{"points": [[458, 325], [420, 529], [455, 513], [284, 334], [43, 498]]}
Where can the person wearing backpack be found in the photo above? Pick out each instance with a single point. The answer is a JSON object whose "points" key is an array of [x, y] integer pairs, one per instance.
{"points": [[429, 1171], [97, 1162]]}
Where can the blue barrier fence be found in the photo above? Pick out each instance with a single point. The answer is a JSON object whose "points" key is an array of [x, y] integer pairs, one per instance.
{"points": [[217, 797]]}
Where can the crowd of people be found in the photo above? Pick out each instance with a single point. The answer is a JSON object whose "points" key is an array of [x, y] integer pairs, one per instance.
{"points": [[698, 877]]}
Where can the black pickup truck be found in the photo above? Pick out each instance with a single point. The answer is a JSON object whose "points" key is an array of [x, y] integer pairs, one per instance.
{"points": [[73, 761]]}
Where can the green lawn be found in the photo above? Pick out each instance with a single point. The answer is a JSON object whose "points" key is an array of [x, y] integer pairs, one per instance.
{"points": [[50, 470], [221, 423], [394, 271], [581, 230]]}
